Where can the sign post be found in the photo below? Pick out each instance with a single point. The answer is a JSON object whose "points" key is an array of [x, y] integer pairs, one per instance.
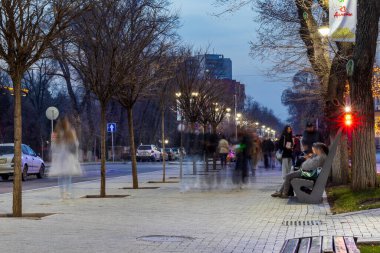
{"points": [[52, 114], [111, 128]]}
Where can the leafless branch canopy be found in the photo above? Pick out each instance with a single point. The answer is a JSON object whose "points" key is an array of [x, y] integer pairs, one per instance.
{"points": [[27, 27]]}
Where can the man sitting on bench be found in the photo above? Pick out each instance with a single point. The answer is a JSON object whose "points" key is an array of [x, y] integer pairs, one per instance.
{"points": [[309, 169]]}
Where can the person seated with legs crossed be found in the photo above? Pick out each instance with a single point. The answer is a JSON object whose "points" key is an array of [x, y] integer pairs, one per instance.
{"points": [[309, 169]]}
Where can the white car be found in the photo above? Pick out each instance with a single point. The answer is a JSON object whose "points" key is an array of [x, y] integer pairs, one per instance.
{"points": [[148, 152], [31, 164]]}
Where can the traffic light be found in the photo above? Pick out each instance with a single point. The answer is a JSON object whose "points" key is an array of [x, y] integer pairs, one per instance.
{"points": [[348, 118]]}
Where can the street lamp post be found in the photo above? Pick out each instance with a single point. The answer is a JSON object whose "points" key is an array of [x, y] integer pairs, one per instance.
{"points": [[235, 106], [228, 115], [237, 119], [181, 128]]}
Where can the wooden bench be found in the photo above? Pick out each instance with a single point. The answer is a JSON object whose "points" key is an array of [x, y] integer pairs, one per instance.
{"points": [[308, 191], [325, 244]]}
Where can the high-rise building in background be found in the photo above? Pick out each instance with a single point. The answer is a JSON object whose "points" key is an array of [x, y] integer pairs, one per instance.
{"points": [[216, 65]]}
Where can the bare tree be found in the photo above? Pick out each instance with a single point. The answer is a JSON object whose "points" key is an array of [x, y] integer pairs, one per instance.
{"points": [[62, 52], [27, 28], [38, 80], [363, 138], [304, 99], [147, 36], [289, 30], [98, 41], [165, 88]]}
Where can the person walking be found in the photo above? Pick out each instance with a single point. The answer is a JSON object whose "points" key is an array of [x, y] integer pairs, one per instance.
{"points": [[243, 156], [223, 149], [268, 149], [256, 151], [65, 162], [286, 146], [296, 148]]}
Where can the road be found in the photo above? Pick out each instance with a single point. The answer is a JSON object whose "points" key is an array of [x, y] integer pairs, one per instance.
{"points": [[92, 172]]}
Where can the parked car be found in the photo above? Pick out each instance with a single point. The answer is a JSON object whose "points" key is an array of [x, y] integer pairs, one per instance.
{"points": [[31, 163], [170, 153], [177, 153], [164, 154], [148, 153]]}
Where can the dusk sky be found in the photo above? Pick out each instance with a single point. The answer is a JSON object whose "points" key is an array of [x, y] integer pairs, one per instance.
{"points": [[230, 35]]}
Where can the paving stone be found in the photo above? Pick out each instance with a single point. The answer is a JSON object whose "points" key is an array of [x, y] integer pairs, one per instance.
{"points": [[221, 220]]}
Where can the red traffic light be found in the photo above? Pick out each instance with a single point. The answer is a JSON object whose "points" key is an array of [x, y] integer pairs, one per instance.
{"points": [[348, 119]]}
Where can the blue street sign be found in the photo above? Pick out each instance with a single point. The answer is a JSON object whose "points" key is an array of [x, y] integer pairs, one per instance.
{"points": [[111, 127]]}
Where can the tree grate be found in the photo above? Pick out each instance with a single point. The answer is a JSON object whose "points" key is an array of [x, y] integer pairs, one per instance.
{"points": [[299, 223]]}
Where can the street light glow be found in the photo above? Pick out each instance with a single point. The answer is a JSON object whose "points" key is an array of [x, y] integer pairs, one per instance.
{"points": [[324, 31], [178, 94], [238, 115], [347, 109], [228, 109], [194, 94]]}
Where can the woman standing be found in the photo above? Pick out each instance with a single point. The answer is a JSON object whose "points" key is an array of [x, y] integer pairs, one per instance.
{"points": [[286, 146], [223, 149], [65, 162]]}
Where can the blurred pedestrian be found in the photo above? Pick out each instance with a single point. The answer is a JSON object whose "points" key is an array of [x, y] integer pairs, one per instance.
{"points": [[268, 149], [256, 151], [65, 162], [223, 149], [296, 148], [286, 146], [243, 156], [310, 136]]}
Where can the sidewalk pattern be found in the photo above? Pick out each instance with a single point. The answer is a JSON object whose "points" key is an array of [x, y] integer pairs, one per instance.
{"points": [[222, 220]]}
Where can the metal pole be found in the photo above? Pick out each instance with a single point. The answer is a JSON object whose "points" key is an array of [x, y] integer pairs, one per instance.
{"points": [[235, 116], [52, 127], [42, 148], [180, 150], [113, 152]]}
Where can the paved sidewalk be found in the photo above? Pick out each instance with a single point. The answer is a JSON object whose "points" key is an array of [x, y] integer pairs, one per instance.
{"points": [[211, 219]]}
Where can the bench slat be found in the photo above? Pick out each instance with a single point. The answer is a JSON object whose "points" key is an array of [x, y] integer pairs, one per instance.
{"points": [[291, 246], [327, 245], [304, 245], [340, 246], [351, 245], [316, 243]]}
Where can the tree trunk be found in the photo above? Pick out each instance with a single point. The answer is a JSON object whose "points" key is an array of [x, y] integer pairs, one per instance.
{"points": [[334, 105], [133, 149], [214, 127], [340, 163], [163, 143], [363, 137], [17, 184], [103, 150], [205, 153]]}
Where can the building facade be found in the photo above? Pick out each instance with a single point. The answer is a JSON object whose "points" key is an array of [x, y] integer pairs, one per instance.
{"points": [[216, 66]]}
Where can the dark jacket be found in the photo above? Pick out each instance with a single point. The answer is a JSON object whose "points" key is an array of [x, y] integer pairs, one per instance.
{"points": [[268, 146], [193, 143], [309, 138], [286, 152]]}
